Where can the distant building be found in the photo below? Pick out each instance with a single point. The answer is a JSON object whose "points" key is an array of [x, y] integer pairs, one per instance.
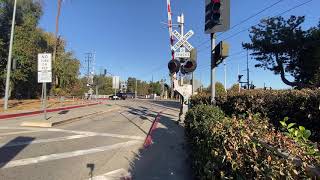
{"points": [[123, 86]]}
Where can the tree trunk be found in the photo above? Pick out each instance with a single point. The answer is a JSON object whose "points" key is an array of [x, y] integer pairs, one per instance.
{"points": [[283, 77]]}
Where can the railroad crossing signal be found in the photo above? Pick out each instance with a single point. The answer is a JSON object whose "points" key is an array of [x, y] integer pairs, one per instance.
{"points": [[183, 40]]}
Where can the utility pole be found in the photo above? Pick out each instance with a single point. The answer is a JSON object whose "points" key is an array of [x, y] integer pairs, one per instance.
{"points": [[248, 72], [57, 30], [239, 83], [88, 60], [6, 97], [56, 38], [213, 70], [136, 89], [225, 76]]}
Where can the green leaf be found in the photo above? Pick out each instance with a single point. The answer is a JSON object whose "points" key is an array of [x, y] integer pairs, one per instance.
{"points": [[291, 125], [302, 128], [283, 123], [307, 134], [286, 119]]}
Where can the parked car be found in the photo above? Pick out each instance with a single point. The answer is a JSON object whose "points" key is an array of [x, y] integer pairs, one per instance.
{"points": [[114, 97], [122, 96]]}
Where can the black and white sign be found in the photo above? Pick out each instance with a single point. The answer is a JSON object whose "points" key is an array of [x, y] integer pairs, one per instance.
{"points": [[44, 68], [183, 40]]}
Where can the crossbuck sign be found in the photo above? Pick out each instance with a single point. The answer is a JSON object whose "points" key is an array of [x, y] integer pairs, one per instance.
{"points": [[183, 40]]}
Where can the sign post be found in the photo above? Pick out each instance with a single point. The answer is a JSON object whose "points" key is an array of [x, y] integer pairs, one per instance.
{"points": [[44, 76]]}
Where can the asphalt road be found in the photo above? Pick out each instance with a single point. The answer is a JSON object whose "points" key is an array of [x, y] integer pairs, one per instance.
{"points": [[105, 146]]}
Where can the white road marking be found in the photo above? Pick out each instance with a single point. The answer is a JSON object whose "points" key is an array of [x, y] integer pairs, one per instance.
{"points": [[116, 174], [18, 132], [13, 144], [50, 157], [78, 132]]}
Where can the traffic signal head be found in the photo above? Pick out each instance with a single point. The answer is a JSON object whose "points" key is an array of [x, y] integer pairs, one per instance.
{"points": [[239, 78], [221, 51], [174, 66], [217, 17], [193, 54], [189, 66], [216, 12]]}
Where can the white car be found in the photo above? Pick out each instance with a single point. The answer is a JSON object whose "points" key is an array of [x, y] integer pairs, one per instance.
{"points": [[115, 97]]}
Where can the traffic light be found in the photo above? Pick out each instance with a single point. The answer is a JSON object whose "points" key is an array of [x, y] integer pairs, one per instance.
{"points": [[189, 66], [217, 17], [221, 51], [174, 66], [239, 78]]}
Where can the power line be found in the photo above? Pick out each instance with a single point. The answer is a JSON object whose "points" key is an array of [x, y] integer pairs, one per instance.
{"points": [[254, 15], [237, 33], [245, 20], [284, 12]]}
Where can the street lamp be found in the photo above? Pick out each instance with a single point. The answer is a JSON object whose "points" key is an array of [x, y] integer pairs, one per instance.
{"points": [[6, 96]]}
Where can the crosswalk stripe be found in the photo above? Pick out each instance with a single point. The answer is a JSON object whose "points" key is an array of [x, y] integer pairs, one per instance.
{"points": [[78, 132], [45, 158], [19, 132], [13, 144]]}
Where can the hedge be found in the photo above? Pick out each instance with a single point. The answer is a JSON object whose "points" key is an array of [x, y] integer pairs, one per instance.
{"points": [[301, 106], [234, 148]]}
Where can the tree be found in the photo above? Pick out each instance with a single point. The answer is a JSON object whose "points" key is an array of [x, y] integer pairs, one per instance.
{"points": [[283, 47], [220, 91], [155, 88], [104, 84], [234, 88], [131, 84], [29, 40]]}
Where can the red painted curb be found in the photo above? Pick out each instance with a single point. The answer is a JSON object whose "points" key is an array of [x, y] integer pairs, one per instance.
{"points": [[7, 116], [148, 140]]}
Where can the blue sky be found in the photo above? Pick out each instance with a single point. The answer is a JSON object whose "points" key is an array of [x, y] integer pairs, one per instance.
{"points": [[129, 39]]}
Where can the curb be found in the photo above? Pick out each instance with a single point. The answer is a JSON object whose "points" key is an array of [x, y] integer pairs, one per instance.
{"points": [[148, 140], [14, 115], [66, 121]]}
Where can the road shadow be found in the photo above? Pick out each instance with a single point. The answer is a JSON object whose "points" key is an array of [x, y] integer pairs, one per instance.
{"points": [[8, 151], [167, 158], [171, 104], [142, 112], [63, 112], [91, 167]]}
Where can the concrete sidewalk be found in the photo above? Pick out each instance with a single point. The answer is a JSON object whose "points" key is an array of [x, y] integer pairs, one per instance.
{"points": [[66, 116], [167, 158]]}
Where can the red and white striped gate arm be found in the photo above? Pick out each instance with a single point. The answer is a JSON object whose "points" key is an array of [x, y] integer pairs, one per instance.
{"points": [[170, 27]]}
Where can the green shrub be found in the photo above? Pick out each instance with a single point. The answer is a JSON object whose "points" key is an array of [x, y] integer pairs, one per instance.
{"points": [[301, 106], [250, 148]]}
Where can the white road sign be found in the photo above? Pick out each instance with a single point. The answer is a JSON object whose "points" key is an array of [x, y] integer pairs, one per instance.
{"points": [[44, 68], [183, 40], [44, 77], [44, 62], [182, 54], [115, 82]]}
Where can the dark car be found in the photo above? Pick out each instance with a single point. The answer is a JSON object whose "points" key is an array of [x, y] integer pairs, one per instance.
{"points": [[122, 96]]}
